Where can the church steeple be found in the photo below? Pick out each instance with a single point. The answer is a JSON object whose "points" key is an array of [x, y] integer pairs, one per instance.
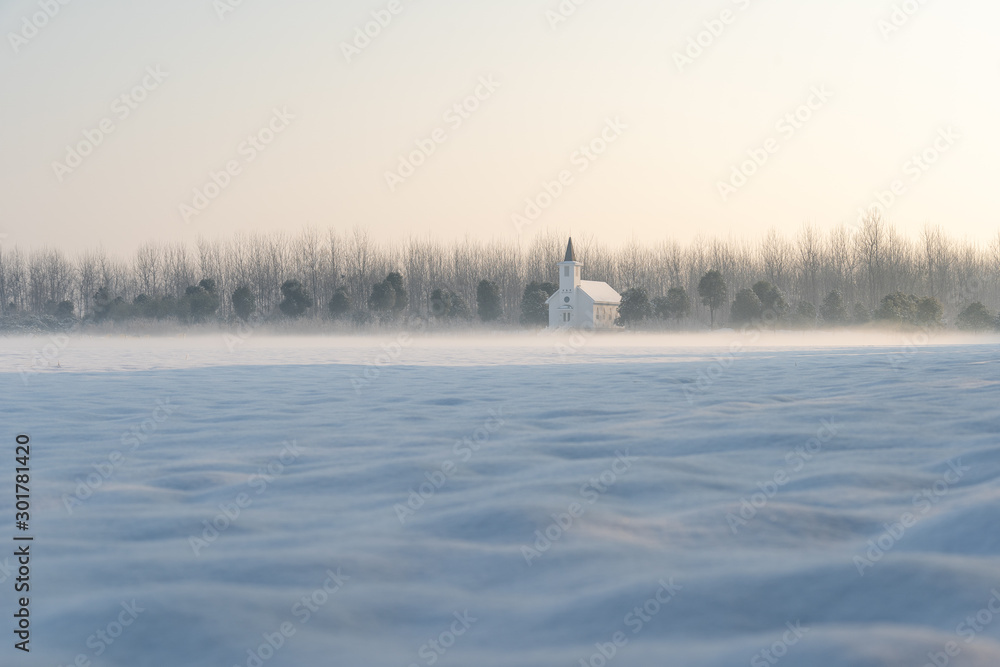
{"points": [[569, 275], [584, 304]]}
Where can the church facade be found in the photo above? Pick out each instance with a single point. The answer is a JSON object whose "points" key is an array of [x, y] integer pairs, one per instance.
{"points": [[581, 304]]}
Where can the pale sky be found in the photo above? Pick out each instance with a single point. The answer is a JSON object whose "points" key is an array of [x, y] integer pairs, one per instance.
{"points": [[676, 131]]}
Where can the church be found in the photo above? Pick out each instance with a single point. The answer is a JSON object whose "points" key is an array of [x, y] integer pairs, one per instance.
{"points": [[581, 304]]}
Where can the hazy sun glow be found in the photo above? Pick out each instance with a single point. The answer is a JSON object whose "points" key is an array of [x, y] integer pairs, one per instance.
{"points": [[266, 116]]}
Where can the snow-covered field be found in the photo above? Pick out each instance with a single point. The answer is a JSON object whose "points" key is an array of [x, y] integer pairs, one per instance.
{"points": [[500, 501]]}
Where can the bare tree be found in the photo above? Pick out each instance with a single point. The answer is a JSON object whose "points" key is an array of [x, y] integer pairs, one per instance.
{"points": [[870, 245], [5, 282], [864, 265], [810, 261], [671, 261], [178, 269], [148, 269], [87, 269], [775, 253], [995, 252]]}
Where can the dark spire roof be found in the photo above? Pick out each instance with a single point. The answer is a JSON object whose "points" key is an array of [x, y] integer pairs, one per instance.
{"points": [[570, 256]]}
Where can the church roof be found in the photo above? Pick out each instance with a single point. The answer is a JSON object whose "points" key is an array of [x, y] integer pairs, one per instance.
{"points": [[570, 255], [600, 292]]}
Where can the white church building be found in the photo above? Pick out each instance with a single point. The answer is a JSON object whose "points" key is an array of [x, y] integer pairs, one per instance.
{"points": [[581, 304]]}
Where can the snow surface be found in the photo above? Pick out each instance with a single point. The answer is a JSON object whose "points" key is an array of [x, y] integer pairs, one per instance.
{"points": [[855, 429]]}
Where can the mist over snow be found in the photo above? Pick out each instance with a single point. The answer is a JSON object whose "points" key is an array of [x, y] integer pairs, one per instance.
{"points": [[820, 500], [209, 346]]}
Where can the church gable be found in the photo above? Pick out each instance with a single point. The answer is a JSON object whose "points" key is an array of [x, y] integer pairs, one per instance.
{"points": [[581, 304]]}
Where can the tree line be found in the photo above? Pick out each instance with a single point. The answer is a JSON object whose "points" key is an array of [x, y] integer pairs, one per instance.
{"points": [[766, 305], [846, 275]]}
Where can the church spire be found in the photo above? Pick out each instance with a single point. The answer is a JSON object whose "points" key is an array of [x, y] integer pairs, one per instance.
{"points": [[570, 255]]}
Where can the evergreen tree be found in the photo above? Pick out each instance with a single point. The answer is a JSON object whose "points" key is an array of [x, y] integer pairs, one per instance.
{"points": [[244, 303], [635, 307], [929, 312], [103, 304], [340, 304], [676, 305], [296, 299], [395, 280], [201, 303], [534, 310], [976, 317], [898, 307], [712, 289], [746, 307], [446, 304], [383, 298], [661, 308], [64, 310], [834, 310], [488, 302], [771, 299], [805, 314], [441, 303]]}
